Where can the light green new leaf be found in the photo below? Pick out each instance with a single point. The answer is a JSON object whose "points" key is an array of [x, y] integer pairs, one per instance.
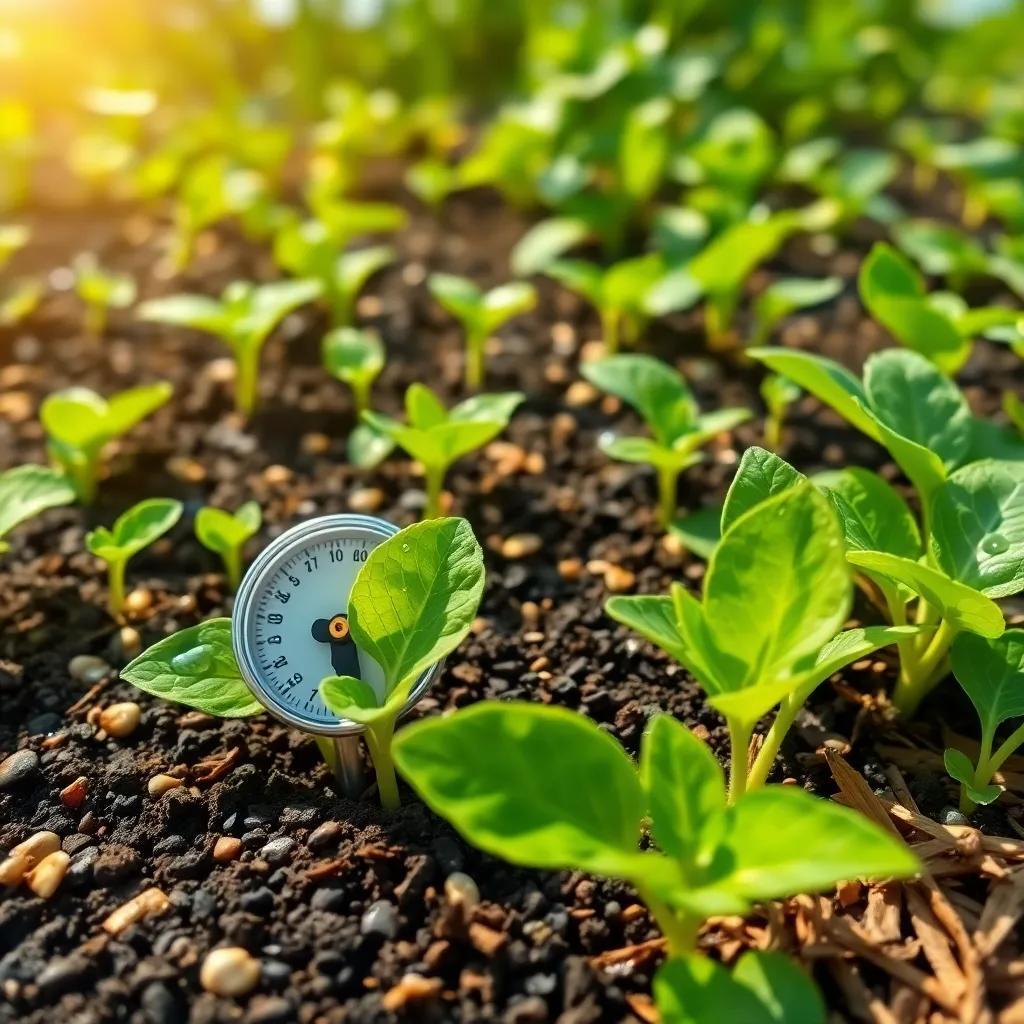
{"points": [[977, 527], [653, 617], [353, 356], [197, 667], [761, 475], [223, 531], [458, 295], [959, 767], [25, 491], [199, 312], [787, 295], [351, 698], [538, 786], [415, 598], [546, 242], [135, 529]]}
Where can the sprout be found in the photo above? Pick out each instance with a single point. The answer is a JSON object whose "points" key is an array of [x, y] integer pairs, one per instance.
{"points": [[225, 533], [25, 491], [778, 393], [101, 290], [356, 358], [12, 238]]}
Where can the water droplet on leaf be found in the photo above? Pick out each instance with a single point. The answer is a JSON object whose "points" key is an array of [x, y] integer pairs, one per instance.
{"points": [[194, 660], [994, 544]]}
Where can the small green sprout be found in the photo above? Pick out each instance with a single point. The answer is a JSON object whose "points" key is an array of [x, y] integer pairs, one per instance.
{"points": [[243, 318], [80, 423], [134, 530], [12, 238], [991, 672], [309, 250], [480, 313], [942, 250], [786, 296], [767, 632], [544, 787], [101, 290], [225, 533], [778, 394], [355, 357], [436, 436], [666, 403], [25, 491], [432, 180], [412, 603], [20, 300]]}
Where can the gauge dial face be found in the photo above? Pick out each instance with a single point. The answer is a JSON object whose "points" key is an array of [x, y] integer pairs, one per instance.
{"points": [[290, 625]]}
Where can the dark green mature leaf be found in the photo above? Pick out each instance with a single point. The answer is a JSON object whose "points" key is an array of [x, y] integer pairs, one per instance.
{"points": [[977, 527], [25, 491], [761, 475], [197, 667], [539, 786], [991, 671], [415, 598]]}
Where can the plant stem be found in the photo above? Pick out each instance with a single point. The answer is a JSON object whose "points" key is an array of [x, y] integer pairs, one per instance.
{"points": [[245, 383], [680, 931], [921, 673], [668, 477], [610, 331], [772, 432], [115, 583], [361, 397], [95, 320], [476, 345], [378, 740], [739, 742], [982, 772], [434, 476], [233, 566], [762, 766]]}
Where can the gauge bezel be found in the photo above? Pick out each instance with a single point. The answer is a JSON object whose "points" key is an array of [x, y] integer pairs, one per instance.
{"points": [[302, 534]]}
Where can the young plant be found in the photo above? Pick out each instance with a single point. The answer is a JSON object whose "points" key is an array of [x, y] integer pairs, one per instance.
{"points": [[12, 238], [80, 423], [991, 673], [664, 400], [134, 530], [25, 491], [225, 533], [413, 602], [19, 300], [939, 326], [308, 250], [544, 787], [778, 393], [243, 318], [766, 632], [785, 296], [480, 313], [101, 290], [356, 358], [436, 436]]}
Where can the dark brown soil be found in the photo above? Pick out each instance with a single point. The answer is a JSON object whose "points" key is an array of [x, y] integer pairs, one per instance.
{"points": [[299, 903]]}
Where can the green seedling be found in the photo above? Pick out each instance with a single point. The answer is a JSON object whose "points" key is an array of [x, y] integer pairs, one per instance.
{"points": [[480, 313], [436, 436], [778, 394], [545, 242], [783, 297], [855, 184], [20, 300], [991, 673], [101, 291], [763, 988], [12, 238], [766, 633], [243, 318], [356, 358], [664, 400], [225, 533], [942, 250], [308, 250], [79, 424], [134, 530], [939, 326], [432, 181], [412, 603], [25, 491], [344, 220], [543, 787], [944, 578]]}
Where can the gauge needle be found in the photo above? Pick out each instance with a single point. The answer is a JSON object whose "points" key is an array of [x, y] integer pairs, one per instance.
{"points": [[344, 653]]}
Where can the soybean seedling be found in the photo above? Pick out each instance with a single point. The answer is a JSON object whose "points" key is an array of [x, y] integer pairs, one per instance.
{"points": [[786, 296], [101, 290], [243, 318], [436, 436], [480, 313], [80, 423], [134, 530], [766, 632], [991, 673], [355, 357], [664, 400], [25, 491], [225, 533], [778, 394], [412, 603], [543, 787]]}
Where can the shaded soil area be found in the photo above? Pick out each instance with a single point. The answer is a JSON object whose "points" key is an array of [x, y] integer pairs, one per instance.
{"points": [[337, 900]]}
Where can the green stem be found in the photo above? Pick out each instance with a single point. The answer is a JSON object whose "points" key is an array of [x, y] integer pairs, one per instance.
{"points": [[245, 383], [1004, 750], [115, 583], [788, 710], [378, 740], [920, 676], [361, 397], [434, 483], [772, 432], [476, 346], [233, 566], [610, 331], [668, 477], [739, 741], [680, 931], [982, 772], [95, 320]]}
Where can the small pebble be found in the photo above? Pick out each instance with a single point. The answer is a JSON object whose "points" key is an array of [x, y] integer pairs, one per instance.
{"points": [[87, 668], [73, 795], [227, 848], [618, 580], [366, 499], [951, 816], [130, 641], [16, 767], [160, 784], [461, 891], [229, 971], [521, 545], [147, 903], [120, 720], [47, 875], [138, 602], [326, 835], [278, 851], [380, 918]]}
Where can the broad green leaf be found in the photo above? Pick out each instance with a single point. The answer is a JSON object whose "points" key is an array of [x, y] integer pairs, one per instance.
{"points": [[223, 531], [786, 991], [726, 262], [493, 408], [586, 279], [199, 312], [25, 491], [647, 451], [415, 598], [959, 767], [991, 673], [940, 249], [266, 305], [350, 698], [694, 989], [961, 606], [826, 380], [886, 275], [923, 467], [459, 296], [352, 355], [977, 527], [673, 292], [423, 408], [366, 446], [699, 531], [654, 618], [657, 391], [685, 787], [506, 301], [787, 295], [538, 786], [546, 242], [873, 516], [761, 475], [912, 398], [709, 425], [80, 418], [135, 529], [197, 667], [127, 408]]}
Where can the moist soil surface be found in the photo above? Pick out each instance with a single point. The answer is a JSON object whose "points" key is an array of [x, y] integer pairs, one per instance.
{"points": [[339, 901]]}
